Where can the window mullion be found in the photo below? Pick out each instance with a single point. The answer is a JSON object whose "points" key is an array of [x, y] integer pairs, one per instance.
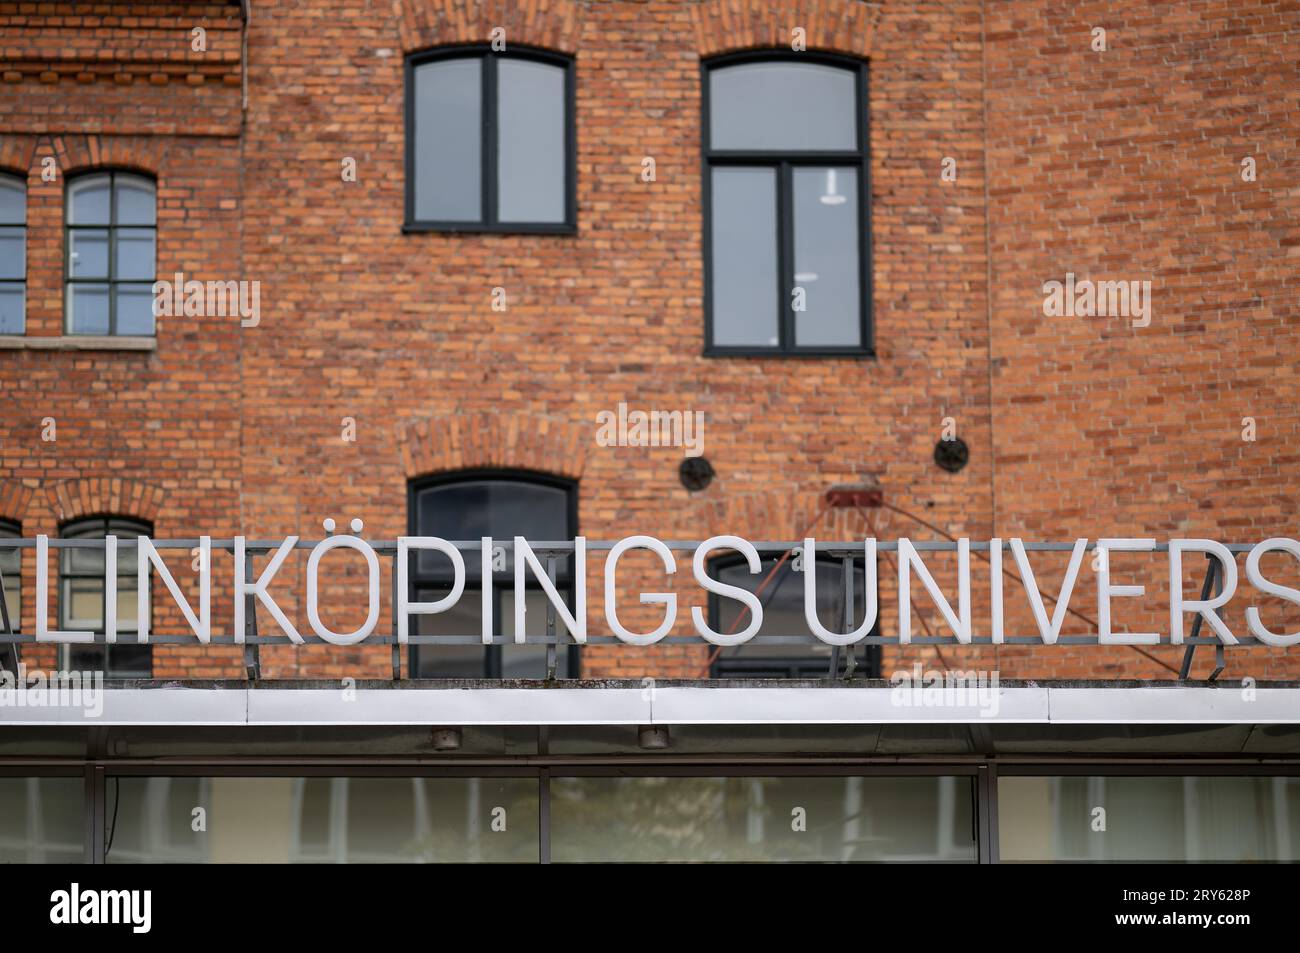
{"points": [[785, 253], [489, 107], [112, 237], [494, 664]]}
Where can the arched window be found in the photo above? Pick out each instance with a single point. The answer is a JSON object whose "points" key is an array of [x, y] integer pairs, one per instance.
{"points": [[489, 141], [786, 202], [82, 594], [112, 226], [13, 254], [500, 504], [783, 614], [11, 565]]}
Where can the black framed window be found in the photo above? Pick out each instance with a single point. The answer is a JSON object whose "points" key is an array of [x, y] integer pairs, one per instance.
{"points": [[500, 504], [783, 614], [490, 141], [13, 254], [11, 566], [112, 231], [82, 594], [786, 198]]}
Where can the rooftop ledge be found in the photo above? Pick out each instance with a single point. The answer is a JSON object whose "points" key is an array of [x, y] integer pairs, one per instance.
{"points": [[658, 702], [77, 342]]}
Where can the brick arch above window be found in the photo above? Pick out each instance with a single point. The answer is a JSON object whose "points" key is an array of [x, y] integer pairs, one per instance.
{"points": [[14, 498], [17, 154], [838, 26], [78, 153], [74, 499], [491, 440], [551, 24]]}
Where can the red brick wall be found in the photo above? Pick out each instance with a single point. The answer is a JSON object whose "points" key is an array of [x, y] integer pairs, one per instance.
{"points": [[1120, 164]]}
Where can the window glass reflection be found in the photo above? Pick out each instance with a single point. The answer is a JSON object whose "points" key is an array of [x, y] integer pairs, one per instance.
{"points": [[323, 820], [846, 819], [1149, 819], [42, 820]]}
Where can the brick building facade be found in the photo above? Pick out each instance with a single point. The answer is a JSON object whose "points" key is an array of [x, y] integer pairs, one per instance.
{"points": [[1117, 163]]}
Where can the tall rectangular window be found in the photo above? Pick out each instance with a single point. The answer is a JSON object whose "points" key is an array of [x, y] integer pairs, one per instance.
{"points": [[82, 594], [489, 141], [13, 255], [112, 228], [502, 505], [787, 251]]}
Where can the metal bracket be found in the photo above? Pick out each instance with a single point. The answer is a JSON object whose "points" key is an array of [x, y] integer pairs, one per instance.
{"points": [[397, 649], [1211, 574], [551, 653], [252, 657], [848, 613]]}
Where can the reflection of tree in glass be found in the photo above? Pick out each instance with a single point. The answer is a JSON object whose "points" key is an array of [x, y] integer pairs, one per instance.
{"points": [[753, 819]]}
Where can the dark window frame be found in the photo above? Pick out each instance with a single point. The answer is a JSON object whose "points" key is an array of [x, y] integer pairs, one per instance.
{"points": [[111, 523], [492, 655], [783, 162], [12, 178], [112, 228], [793, 665], [489, 222], [12, 529]]}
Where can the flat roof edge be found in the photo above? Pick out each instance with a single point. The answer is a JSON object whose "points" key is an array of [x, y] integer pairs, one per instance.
{"points": [[633, 703]]}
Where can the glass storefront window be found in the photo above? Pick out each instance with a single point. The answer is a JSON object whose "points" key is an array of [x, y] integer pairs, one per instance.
{"points": [[322, 820], [737, 819], [42, 820], [1230, 819]]}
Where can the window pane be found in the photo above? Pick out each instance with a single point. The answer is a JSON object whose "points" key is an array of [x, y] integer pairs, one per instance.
{"points": [[127, 551], [735, 819], [134, 309], [1150, 819], [535, 603], [13, 252], [782, 615], [745, 287], [325, 820], [42, 820], [83, 601], [13, 201], [128, 603], [13, 308], [530, 116], [88, 253], [449, 661], [782, 106], [448, 140], [84, 561], [88, 201], [88, 309], [135, 201], [10, 558], [783, 598], [115, 661], [13, 599], [11, 566], [134, 249], [498, 508], [826, 257]]}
